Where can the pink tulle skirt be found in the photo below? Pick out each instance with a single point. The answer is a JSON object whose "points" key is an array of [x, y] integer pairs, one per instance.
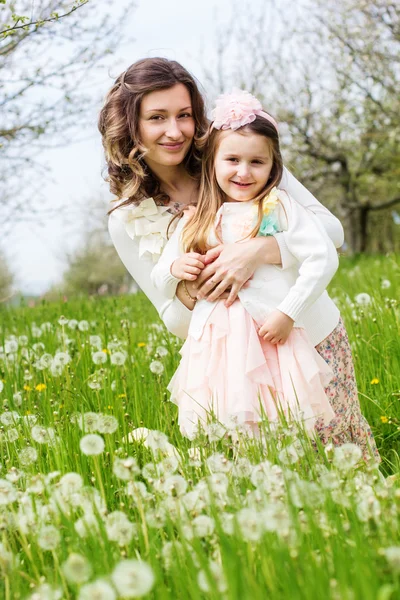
{"points": [[232, 374]]}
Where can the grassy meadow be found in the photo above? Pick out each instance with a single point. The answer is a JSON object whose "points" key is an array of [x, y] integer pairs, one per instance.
{"points": [[101, 498]]}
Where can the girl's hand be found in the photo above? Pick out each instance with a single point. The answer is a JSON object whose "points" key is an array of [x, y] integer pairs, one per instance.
{"points": [[232, 265], [188, 266], [276, 328]]}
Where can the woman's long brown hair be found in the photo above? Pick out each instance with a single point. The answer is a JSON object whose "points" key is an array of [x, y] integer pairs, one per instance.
{"points": [[196, 232], [128, 175]]}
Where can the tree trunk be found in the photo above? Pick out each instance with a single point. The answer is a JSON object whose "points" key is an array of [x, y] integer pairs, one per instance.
{"points": [[364, 214]]}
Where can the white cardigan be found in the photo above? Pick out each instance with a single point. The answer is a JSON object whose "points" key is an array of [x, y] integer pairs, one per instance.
{"points": [[139, 263], [297, 292]]}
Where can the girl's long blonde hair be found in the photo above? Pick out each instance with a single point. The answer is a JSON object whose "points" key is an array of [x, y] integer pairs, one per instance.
{"points": [[196, 233]]}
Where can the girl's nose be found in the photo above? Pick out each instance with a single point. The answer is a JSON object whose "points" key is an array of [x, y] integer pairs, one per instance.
{"points": [[173, 130], [243, 170]]}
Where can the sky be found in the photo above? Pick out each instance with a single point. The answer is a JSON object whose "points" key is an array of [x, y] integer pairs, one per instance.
{"points": [[174, 29]]}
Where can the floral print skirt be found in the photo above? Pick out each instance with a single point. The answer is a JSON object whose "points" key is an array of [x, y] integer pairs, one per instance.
{"points": [[349, 425]]}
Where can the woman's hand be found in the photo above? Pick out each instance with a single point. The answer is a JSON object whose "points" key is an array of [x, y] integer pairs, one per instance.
{"points": [[232, 265], [276, 328]]}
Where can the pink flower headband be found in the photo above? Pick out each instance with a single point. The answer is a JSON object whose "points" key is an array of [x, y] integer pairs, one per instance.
{"points": [[238, 109]]}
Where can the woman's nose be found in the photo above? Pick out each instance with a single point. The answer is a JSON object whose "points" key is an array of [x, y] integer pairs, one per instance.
{"points": [[173, 130]]}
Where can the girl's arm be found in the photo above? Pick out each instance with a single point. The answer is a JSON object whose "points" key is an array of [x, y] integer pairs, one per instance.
{"points": [[312, 248], [175, 315], [303, 196]]}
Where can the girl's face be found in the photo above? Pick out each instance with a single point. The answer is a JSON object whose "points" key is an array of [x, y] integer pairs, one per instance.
{"points": [[243, 163], [166, 125]]}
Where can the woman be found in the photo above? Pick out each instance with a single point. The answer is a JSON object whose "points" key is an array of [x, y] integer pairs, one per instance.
{"points": [[151, 123]]}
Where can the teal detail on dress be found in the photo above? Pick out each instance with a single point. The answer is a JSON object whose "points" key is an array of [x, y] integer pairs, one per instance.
{"points": [[269, 224]]}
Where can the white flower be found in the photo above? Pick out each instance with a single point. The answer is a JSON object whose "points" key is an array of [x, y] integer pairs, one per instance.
{"points": [[218, 463], [70, 483], [156, 367], [43, 435], [250, 524], [83, 326], [7, 559], [215, 431], [72, 324], [93, 382], [170, 552], [242, 467], [76, 568], [1, 386], [62, 321], [218, 482], [118, 358], [125, 468], [119, 528], [27, 456], [97, 590], [137, 489], [46, 592], [91, 444], [56, 369], [7, 492], [133, 578], [161, 351], [218, 577], [99, 357], [194, 456], [17, 397], [363, 299], [62, 358], [107, 424], [10, 346], [86, 525], [89, 421], [385, 284], [289, 455], [156, 440], [175, 485], [12, 434], [392, 555], [156, 517], [95, 341], [9, 418], [48, 537], [137, 435], [227, 521], [346, 457], [46, 360], [203, 526]]}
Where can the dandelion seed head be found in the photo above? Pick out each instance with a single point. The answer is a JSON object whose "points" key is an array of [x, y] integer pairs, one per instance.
{"points": [[133, 578], [77, 569], [156, 367], [91, 444]]}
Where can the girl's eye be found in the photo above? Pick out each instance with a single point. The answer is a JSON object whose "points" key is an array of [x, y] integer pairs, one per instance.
{"points": [[232, 159], [258, 162], [185, 115]]}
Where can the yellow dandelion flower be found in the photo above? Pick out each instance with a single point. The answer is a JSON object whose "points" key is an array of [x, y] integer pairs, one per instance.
{"points": [[374, 381], [106, 351], [40, 387], [384, 419], [27, 388], [121, 395], [141, 344]]}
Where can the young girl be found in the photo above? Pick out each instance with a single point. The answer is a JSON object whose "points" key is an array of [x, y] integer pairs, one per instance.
{"points": [[257, 356]]}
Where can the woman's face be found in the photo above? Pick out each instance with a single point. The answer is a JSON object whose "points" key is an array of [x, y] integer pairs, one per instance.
{"points": [[166, 125]]}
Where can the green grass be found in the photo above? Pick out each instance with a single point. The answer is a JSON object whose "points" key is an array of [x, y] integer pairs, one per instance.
{"points": [[306, 530]]}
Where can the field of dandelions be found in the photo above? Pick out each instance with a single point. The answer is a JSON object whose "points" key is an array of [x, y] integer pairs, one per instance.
{"points": [[101, 498]]}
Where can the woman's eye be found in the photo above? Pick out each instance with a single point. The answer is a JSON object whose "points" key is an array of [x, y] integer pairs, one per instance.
{"points": [[185, 115], [155, 118]]}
